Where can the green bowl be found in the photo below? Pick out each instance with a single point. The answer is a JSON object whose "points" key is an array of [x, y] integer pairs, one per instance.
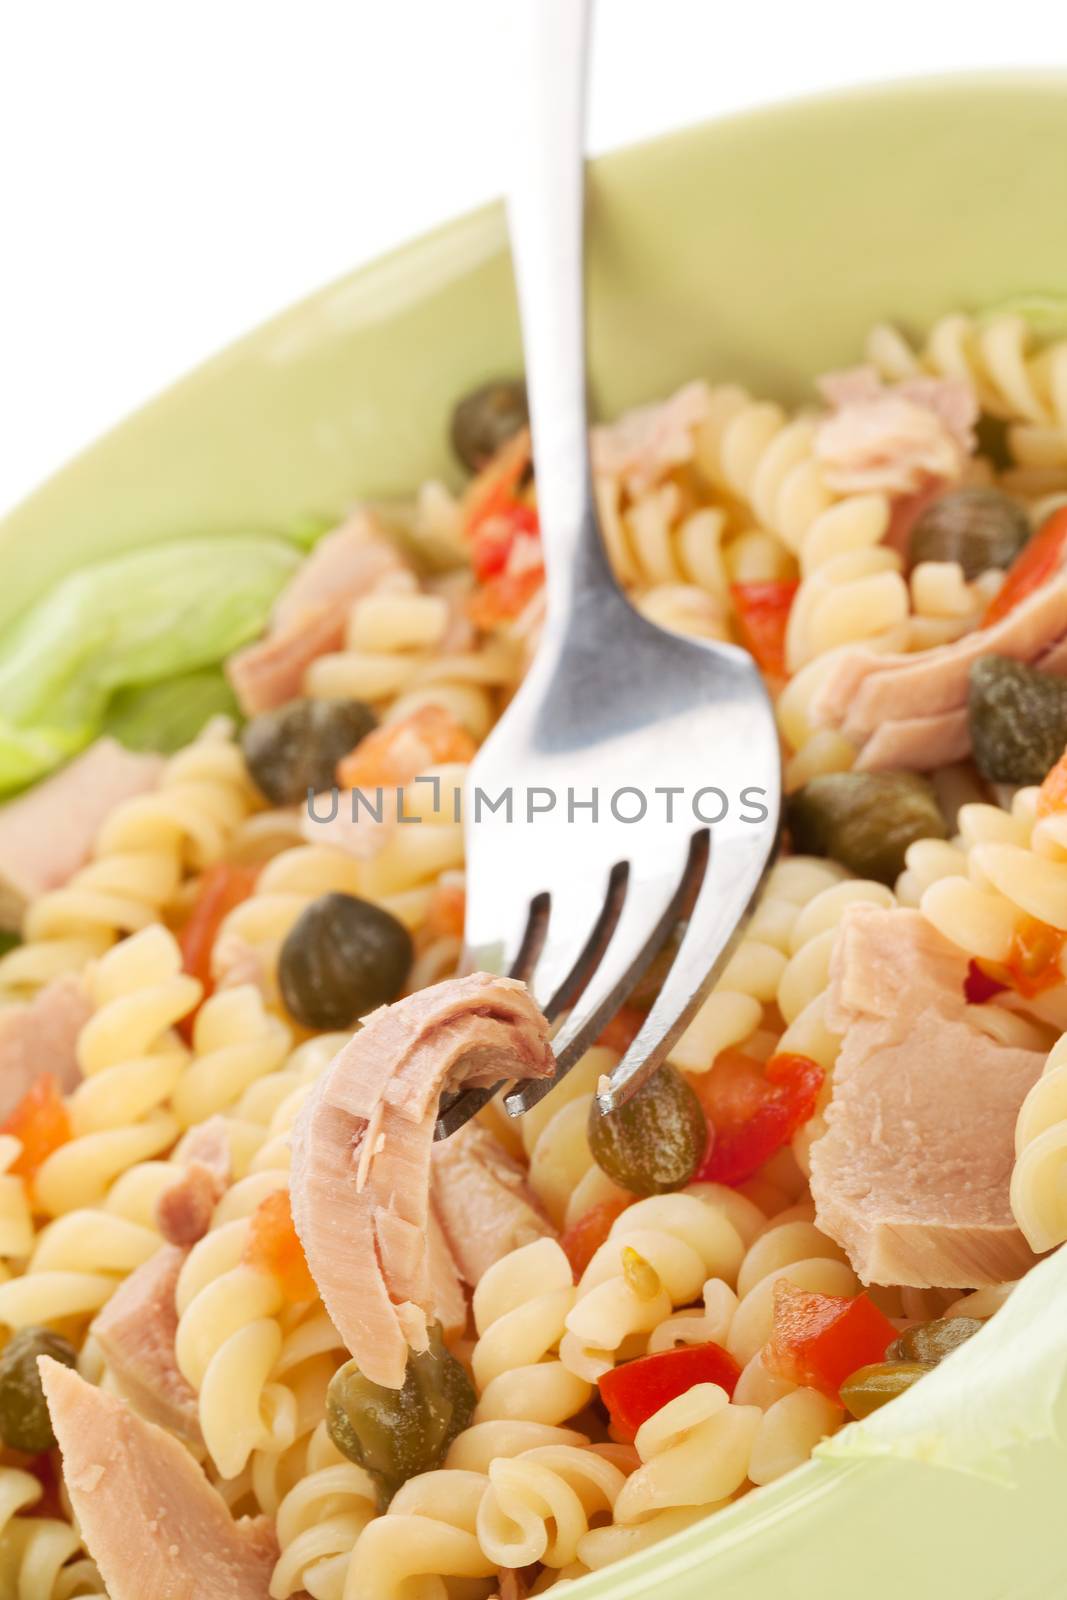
{"points": [[759, 249]]}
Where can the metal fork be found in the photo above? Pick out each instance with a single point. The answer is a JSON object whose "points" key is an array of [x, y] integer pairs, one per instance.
{"points": [[580, 904]]}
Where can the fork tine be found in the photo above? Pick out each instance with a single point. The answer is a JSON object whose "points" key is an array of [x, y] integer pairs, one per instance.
{"points": [[581, 917], [651, 909], [731, 882]]}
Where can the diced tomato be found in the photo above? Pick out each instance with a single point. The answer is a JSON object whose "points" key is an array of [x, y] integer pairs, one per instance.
{"points": [[821, 1339], [638, 1389], [494, 539], [750, 1129], [732, 1090], [221, 888], [1034, 565], [447, 910], [763, 616], [583, 1238], [1052, 796], [980, 985], [274, 1245], [496, 488], [397, 752], [620, 1033], [1034, 963], [41, 1124], [502, 598]]}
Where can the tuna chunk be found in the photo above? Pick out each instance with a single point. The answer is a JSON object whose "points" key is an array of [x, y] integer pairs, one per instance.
{"points": [[135, 1332], [40, 1037], [896, 440], [645, 444], [447, 1294], [912, 1175], [47, 833], [866, 690], [310, 615], [154, 1525], [918, 743], [184, 1211], [360, 1183], [483, 1200]]}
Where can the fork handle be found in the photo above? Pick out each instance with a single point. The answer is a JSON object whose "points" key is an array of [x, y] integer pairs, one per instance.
{"points": [[546, 216]]}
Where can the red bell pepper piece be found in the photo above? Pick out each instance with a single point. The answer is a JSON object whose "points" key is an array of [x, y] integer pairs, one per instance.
{"points": [[501, 599], [583, 1238], [638, 1389], [1034, 565], [821, 1339], [763, 616], [754, 1114], [221, 888], [980, 985]]}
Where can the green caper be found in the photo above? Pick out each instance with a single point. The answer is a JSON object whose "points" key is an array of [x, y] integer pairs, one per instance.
{"points": [[656, 1141], [297, 747], [1018, 720], [865, 820], [871, 1387], [396, 1433], [24, 1421], [342, 958], [930, 1342], [486, 419], [979, 528]]}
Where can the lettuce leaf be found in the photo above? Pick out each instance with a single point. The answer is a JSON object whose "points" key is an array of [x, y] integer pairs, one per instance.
{"points": [[155, 614], [167, 716]]}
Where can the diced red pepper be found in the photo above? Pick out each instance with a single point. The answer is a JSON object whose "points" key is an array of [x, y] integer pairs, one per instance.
{"points": [[821, 1339], [763, 616], [274, 1245], [496, 488], [638, 1389], [221, 888], [494, 539], [620, 1033], [583, 1238], [41, 1124], [1033, 964], [754, 1115], [980, 985], [397, 752], [1052, 796], [1034, 565], [502, 598]]}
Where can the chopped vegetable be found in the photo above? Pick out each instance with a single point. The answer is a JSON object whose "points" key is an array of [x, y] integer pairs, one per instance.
{"points": [[298, 747], [400, 751], [865, 820], [1052, 798], [980, 985], [977, 527], [1018, 720], [397, 1433], [222, 887], [40, 1123], [872, 1386], [484, 420], [638, 1389], [502, 598], [931, 1342], [342, 958], [763, 617], [583, 1238], [1035, 961], [758, 1116], [1037, 561], [821, 1339], [24, 1421], [169, 715], [274, 1245], [654, 1142], [496, 490], [139, 619]]}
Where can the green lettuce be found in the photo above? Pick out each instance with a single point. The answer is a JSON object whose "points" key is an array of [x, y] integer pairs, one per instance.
{"points": [[167, 716], [141, 619]]}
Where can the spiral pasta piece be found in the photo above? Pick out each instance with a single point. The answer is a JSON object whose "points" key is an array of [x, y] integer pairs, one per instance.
{"points": [[1039, 1176], [41, 1558], [428, 1533], [319, 1521], [540, 1504], [520, 1308]]}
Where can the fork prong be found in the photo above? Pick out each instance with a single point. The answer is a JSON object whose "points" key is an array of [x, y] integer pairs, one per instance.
{"points": [[731, 882], [651, 909], [581, 916]]}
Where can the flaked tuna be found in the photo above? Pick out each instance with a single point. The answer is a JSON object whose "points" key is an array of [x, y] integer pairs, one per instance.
{"points": [[485, 1205], [896, 440], [41, 1037], [48, 833], [649, 442], [204, 1173], [912, 1176], [360, 1183], [154, 1525], [135, 1332]]}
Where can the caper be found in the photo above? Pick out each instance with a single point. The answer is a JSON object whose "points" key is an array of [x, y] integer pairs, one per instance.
{"points": [[297, 747], [396, 1433], [24, 1421], [871, 1387], [931, 1342], [865, 820], [486, 419], [342, 958], [979, 528], [1018, 720], [656, 1141]]}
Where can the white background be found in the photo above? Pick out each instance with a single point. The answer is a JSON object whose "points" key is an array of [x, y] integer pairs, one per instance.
{"points": [[172, 171]]}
